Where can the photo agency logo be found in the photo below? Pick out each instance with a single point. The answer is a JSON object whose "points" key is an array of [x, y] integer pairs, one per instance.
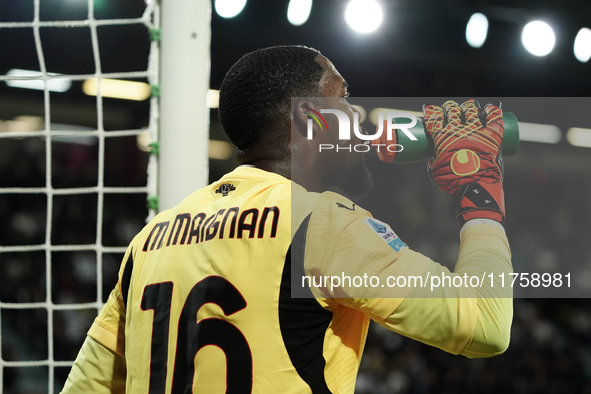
{"points": [[371, 140]]}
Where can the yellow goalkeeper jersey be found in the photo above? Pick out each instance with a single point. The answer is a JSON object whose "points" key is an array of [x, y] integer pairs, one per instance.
{"points": [[209, 292]]}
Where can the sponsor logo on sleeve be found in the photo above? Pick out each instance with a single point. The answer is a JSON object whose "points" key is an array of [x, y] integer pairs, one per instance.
{"points": [[386, 233]]}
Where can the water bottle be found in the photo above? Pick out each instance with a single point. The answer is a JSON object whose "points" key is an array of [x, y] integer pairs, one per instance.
{"points": [[411, 151]]}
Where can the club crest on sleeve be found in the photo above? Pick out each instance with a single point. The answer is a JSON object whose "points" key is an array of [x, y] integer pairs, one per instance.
{"points": [[225, 188], [386, 233]]}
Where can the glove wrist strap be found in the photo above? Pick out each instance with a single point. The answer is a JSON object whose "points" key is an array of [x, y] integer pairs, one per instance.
{"points": [[479, 200]]}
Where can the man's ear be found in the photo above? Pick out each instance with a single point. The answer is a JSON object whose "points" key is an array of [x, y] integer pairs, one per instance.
{"points": [[300, 118]]}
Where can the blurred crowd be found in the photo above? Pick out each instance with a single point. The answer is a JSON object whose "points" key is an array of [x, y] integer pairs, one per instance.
{"points": [[550, 349], [550, 352]]}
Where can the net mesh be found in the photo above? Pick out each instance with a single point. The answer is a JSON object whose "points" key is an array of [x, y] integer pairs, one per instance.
{"points": [[24, 314]]}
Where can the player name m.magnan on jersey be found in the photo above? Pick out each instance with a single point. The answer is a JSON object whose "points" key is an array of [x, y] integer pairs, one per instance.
{"points": [[233, 222]]}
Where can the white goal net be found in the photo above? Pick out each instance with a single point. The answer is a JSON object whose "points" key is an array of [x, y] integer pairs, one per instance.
{"points": [[69, 187]]}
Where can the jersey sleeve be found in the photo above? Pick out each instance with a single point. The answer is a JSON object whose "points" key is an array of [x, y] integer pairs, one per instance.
{"points": [[394, 284], [100, 366], [474, 321], [108, 328], [96, 370]]}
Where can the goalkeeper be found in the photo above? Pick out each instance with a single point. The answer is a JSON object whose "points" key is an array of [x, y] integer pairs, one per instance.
{"points": [[204, 298]]}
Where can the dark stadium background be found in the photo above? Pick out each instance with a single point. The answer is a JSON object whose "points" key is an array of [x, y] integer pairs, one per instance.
{"points": [[419, 51]]}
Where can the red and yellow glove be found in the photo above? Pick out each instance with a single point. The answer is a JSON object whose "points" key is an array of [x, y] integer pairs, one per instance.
{"points": [[468, 163]]}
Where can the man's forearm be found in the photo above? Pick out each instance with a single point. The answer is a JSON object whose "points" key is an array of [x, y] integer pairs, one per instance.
{"points": [[471, 320]]}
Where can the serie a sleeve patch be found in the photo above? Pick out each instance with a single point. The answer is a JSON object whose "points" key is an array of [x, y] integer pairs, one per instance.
{"points": [[386, 233]]}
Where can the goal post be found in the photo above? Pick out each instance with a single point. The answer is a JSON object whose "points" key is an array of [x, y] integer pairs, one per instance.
{"points": [[178, 69], [184, 115]]}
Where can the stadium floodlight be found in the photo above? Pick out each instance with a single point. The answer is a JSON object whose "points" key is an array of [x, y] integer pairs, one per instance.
{"points": [[582, 46], [212, 99], [229, 8], [364, 16], [220, 150], [476, 30], [538, 38], [116, 88], [544, 133], [53, 85], [298, 11], [374, 114], [578, 136]]}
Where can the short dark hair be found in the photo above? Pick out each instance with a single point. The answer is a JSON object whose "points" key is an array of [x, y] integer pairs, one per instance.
{"points": [[255, 94]]}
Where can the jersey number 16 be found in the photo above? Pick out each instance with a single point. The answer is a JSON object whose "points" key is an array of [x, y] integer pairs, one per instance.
{"points": [[193, 336]]}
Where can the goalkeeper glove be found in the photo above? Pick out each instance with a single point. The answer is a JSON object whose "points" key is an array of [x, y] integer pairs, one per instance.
{"points": [[468, 163]]}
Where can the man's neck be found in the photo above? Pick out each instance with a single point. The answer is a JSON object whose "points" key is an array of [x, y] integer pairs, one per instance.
{"points": [[279, 167]]}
